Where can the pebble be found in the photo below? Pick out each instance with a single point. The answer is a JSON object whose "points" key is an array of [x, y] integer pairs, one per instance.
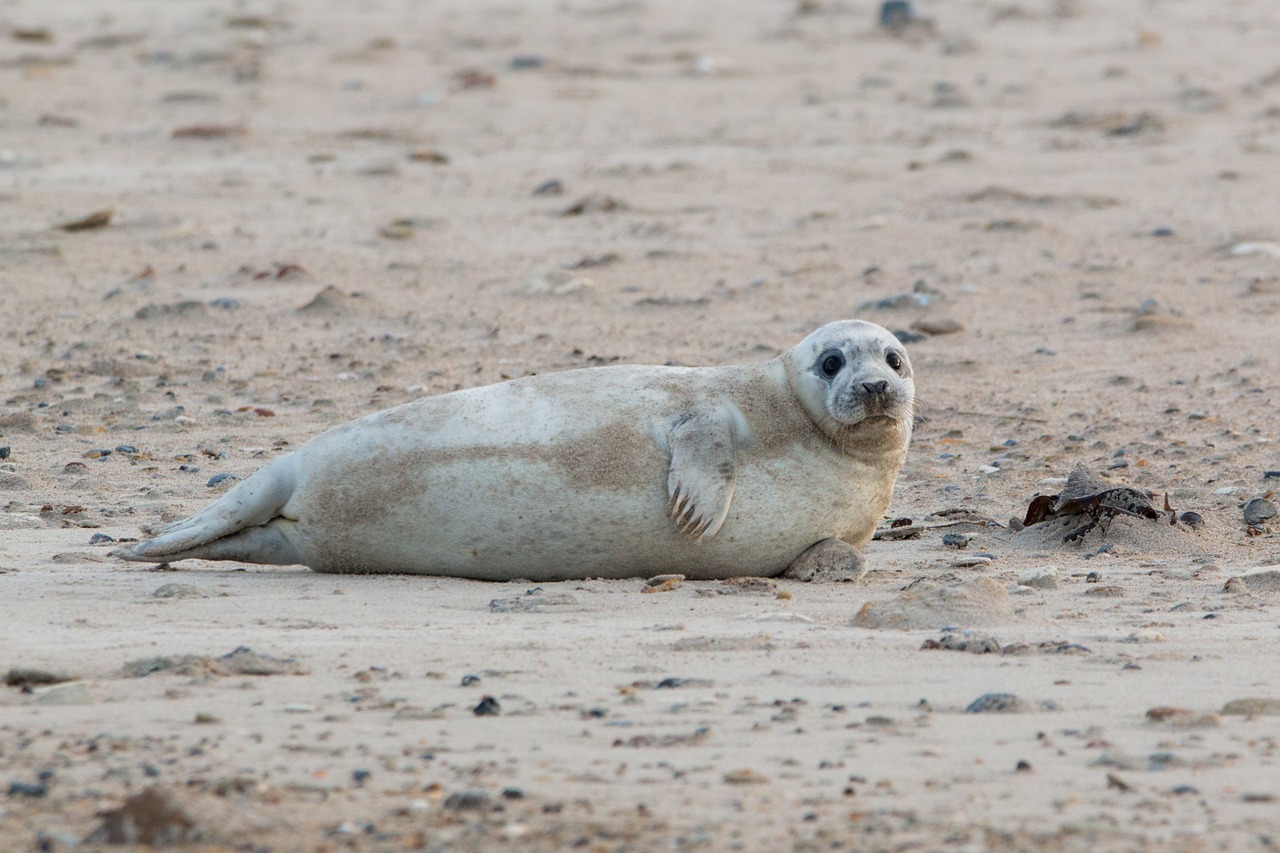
{"points": [[1226, 490], [468, 680], [1258, 511], [895, 14], [1046, 577], [549, 187], [299, 708], [997, 703], [101, 539], [1194, 520], [1235, 586], [1267, 475], [126, 448], [488, 707], [956, 540], [534, 601], [966, 641], [1108, 591], [225, 478], [4, 452], [25, 789], [177, 590], [468, 801], [973, 562], [938, 326]]}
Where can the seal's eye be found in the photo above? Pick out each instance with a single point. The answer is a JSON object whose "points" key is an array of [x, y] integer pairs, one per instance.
{"points": [[893, 360], [831, 364]]}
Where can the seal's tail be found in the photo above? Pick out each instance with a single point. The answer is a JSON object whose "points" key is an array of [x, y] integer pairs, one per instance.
{"points": [[232, 527]]}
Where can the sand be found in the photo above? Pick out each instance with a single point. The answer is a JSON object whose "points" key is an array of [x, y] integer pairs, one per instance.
{"points": [[321, 209]]}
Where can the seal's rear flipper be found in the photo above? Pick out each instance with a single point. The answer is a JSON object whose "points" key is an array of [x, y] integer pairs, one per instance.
{"points": [[828, 560], [266, 545], [214, 533]]}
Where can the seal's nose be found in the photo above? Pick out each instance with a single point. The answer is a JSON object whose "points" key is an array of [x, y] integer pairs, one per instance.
{"points": [[876, 388]]}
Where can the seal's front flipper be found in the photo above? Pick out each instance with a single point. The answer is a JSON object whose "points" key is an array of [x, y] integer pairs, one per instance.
{"points": [[828, 560], [704, 447]]}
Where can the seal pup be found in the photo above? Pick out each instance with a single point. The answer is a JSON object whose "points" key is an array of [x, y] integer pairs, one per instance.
{"points": [[620, 471]]}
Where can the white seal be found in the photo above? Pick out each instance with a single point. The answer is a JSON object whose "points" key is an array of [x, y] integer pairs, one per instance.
{"points": [[625, 471]]}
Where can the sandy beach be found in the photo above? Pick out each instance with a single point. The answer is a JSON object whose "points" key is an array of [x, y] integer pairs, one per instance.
{"points": [[226, 227]]}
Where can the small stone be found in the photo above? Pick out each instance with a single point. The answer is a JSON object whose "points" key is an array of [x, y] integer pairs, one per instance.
{"points": [[359, 777], [997, 703], [25, 789], [1259, 511], [468, 801], [299, 708], [127, 449], [896, 14], [224, 479], [1046, 577], [956, 540], [177, 590], [973, 562], [1252, 707], [1023, 766], [203, 719], [101, 539], [1108, 591], [468, 680], [488, 707], [102, 453], [745, 777], [549, 187], [1194, 520], [4, 452], [1093, 577], [512, 793]]}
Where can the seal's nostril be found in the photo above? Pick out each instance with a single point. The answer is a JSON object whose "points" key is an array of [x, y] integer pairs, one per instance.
{"points": [[881, 387]]}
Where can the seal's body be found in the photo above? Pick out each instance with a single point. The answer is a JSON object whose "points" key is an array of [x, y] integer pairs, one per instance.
{"points": [[604, 472]]}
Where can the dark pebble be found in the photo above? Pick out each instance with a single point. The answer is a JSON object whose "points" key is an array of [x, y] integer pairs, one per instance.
{"points": [[996, 703], [100, 539], [1191, 519], [1258, 511], [189, 469], [909, 337], [4, 452], [895, 14], [24, 789], [1162, 232], [126, 448], [1093, 577], [65, 428], [549, 187], [468, 680], [468, 801], [1023, 766], [1266, 475], [512, 793], [1184, 789], [955, 540], [218, 478], [360, 777], [488, 707], [526, 61], [225, 302]]}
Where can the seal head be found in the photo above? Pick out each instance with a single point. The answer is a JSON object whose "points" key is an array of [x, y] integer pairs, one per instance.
{"points": [[854, 380]]}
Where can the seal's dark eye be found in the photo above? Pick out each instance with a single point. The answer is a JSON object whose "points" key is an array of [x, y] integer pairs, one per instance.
{"points": [[831, 364], [893, 360]]}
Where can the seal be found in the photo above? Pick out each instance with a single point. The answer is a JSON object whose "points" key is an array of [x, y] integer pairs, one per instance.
{"points": [[620, 471]]}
